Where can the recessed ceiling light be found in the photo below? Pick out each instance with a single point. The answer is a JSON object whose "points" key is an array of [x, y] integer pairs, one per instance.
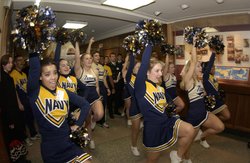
{"points": [[210, 29], [128, 4], [219, 1], [184, 6], [74, 24]]}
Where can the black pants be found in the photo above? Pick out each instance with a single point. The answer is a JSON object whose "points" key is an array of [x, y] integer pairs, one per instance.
{"points": [[103, 93]]}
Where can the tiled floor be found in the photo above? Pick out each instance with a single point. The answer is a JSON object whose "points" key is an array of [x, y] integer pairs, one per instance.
{"points": [[113, 146]]}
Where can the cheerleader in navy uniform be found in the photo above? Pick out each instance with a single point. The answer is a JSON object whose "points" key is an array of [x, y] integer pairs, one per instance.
{"points": [[68, 81], [160, 130], [197, 115], [211, 87], [89, 77], [125, 94], [134, 111], [50, 105], [170, 84], [104, 88]]}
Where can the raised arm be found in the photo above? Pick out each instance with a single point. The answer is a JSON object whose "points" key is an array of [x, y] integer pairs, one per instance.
{"points": [[166, 67], [124, 67], [77, 66], [130, 67], [82, 103], [91, 41], [34, 74], [142, 73], [209, 67], [189, 74], [57, 54]]}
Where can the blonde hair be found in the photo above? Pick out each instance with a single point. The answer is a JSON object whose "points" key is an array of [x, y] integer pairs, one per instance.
{"points": [[153, 62]]}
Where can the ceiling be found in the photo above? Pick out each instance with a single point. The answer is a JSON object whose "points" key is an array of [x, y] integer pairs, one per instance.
{"points": [[105, 22]]}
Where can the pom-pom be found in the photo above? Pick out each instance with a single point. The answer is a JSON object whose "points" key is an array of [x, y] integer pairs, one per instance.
{"points": [[80, 137], [222, 94], [62, 35], [210, 102], [171, 109], [78, 35], [216, 43], [168, 49], [34, 28], [149, 32], [200, 34], [131, 44]]}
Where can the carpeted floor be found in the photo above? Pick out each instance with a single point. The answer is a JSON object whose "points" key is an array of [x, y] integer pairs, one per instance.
{"points": [[113, 146]]}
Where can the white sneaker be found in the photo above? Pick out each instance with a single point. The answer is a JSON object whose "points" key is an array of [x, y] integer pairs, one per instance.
{"points": [[204, 144], [187, 161], [174, 157], [135, 151], [123, 114], [92, 144], [129, 122], [28, 142], [93, 124], [198, 136]]}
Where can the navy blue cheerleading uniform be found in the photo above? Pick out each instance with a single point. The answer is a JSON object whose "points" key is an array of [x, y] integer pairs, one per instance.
{"points": [[197, 113], [170, 86], [211, 86], [160, 131], [134, 111], [125, 93], [51, 109], [89, 80]]}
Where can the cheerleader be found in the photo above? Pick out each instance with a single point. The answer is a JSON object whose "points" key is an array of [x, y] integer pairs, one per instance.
{"points": [[197, 114], [50, 105], [104, 88], [211, 87], [126, 95], [170, 84], [160, 130], [89, 77], [68, 81], [134, 111]]}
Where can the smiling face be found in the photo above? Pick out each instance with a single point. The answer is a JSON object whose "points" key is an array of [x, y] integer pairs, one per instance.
{"points": [[171, 68], [155, 73], [64, 67], [49, 76], [96, 57], [9, 64], [86, 60]]}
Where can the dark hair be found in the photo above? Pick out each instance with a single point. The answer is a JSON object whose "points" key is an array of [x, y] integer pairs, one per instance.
{"points": [[17, 56], [47, 62], [5, 60]]}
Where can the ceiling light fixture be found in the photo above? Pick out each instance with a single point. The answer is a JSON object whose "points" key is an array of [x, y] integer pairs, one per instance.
{"points": [[219, 1], [74, 24], [210, 29], [128, 4], [184, 6]]}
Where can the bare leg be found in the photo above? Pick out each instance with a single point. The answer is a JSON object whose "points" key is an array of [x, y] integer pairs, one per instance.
{"points": [[224, 114], [213, 126], [97, 109], [135, 131], [127, 104], [152, 157], [185, 139]]}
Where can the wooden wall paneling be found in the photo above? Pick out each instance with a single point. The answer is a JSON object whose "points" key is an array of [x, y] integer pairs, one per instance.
{"points": [[242, 117], [232, 101]]}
